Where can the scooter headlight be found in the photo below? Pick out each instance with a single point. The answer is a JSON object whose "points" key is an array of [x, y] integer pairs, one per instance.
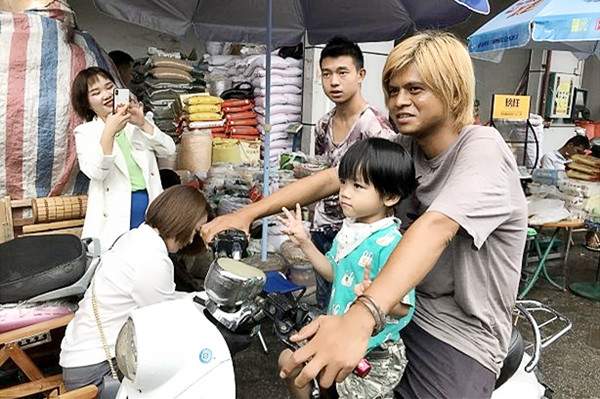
{"points": [[126, 350]]}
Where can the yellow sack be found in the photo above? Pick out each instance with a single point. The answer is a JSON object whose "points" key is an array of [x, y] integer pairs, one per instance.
{"points": [[192, 109], [235, 151], [205, 116], [204, 100]]}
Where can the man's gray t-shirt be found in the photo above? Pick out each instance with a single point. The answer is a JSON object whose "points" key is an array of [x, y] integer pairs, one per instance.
{"points": [[466, 300]]}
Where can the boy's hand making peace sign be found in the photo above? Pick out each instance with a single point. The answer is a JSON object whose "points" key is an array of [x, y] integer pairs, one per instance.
{"points": [[294, 227]]}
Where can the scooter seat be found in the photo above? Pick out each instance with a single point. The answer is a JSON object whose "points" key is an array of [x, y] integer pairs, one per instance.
{"points": [[516, 349], [30, 266]]}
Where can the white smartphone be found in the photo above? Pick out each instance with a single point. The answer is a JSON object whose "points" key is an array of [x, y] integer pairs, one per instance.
{"points": [[120, 97]]}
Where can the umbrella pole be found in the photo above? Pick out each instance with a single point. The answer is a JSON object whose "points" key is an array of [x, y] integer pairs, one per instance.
{"points": [[267, 133]]}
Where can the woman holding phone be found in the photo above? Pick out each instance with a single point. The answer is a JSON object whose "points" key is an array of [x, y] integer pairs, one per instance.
{"points": [[116, 148]]}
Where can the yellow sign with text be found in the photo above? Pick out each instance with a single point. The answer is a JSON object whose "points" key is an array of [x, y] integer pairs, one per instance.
{"points": [[512, 108]]}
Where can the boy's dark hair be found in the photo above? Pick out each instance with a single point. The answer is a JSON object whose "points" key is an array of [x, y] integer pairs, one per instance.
{"points": [[79, 91], [120, 57], [385, 164], [579, 141], [339, 46]]}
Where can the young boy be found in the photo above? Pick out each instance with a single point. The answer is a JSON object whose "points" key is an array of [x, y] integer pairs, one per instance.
{"points": [[352, 119], [375, 174], [463, 252]]}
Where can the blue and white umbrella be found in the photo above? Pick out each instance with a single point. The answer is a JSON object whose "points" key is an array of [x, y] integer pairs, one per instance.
{"points": [[566, 25]]}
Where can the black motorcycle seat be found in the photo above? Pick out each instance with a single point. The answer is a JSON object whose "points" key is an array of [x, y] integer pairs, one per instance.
{"points": [[516, 349], [30, 266]]}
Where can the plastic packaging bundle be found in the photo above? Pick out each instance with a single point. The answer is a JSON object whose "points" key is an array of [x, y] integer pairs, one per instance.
{"points": [[545, 176]]}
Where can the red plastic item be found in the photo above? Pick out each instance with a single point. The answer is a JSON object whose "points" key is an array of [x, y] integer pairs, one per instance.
{"points": [[255, 194], [362, 368], [242, 122], [240, 115], [233, 110], [235, 103], [246, 130], [592, 128], [243, 137]]}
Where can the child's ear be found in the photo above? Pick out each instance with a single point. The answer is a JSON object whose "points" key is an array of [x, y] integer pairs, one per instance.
{"points": [[391, 200]]}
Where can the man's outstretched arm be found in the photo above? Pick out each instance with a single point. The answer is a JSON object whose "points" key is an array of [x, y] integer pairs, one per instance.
{"points": [[304, 191]]}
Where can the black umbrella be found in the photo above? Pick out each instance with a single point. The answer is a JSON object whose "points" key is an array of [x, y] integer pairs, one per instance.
{"points": [[284, 22], [244, 20]]}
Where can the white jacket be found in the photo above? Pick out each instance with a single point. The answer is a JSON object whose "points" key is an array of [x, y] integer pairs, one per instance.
{"points": [[137, 272], [109, 194]]}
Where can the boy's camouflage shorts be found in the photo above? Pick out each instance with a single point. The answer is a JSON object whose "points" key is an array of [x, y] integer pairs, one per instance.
{"points": [[387, 367]]}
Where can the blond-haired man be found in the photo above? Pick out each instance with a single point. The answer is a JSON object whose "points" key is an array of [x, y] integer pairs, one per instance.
{"points": [[463, 252]]}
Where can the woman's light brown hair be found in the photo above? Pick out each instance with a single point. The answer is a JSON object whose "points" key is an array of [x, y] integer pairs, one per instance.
{"points": [[176, 212], [445, 67]]}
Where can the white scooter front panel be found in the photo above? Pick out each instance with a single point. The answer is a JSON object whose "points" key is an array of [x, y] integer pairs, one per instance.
{"points": [[521, 384], [180, 354]]}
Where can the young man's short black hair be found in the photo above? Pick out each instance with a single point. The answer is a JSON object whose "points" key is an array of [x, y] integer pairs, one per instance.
{"points": [[340, 46], [385, 164], [579, 141], [120, 57]]}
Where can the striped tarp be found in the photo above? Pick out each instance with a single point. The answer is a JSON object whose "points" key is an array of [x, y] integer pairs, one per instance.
{"points": [[39, 58]]}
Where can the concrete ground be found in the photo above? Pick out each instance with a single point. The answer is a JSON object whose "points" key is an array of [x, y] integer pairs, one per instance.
{"points": [[570, 366]]}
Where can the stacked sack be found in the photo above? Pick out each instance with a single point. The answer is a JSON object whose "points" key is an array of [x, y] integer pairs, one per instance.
{"points": [[198, 114], [237, 140], [286, 95], [202, 111], [167, 77], [286, 99], [584, 167], [240, 120]]}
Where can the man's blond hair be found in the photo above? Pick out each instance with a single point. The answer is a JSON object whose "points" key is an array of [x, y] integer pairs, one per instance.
{"points": [[445, 67]]}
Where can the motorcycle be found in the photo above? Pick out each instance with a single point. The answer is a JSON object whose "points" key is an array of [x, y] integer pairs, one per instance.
{"points": [[183, 348]]}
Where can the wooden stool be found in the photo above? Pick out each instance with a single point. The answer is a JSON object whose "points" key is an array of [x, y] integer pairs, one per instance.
{"points": [[11, 349]]}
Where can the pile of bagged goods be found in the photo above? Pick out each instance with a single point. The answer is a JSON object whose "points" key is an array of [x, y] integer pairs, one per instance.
{"points": [[584, 167], [248, 67], [166, 76]]}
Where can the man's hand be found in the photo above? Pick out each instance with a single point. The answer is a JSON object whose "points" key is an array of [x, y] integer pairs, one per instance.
{"points": [[337, 344], [237, 220]]}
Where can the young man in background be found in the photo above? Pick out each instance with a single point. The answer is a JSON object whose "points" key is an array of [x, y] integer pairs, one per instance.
{"points": [[352, 119]]}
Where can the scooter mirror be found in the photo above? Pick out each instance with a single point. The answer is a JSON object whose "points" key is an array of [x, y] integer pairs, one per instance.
{"points": [[230, 244]]}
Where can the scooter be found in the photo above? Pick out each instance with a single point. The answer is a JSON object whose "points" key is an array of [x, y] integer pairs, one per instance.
{"points": [[183, 348], [519, 376]]}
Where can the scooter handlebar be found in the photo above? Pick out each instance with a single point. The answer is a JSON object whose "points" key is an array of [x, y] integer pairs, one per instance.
{"points": [[289, 316]]}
